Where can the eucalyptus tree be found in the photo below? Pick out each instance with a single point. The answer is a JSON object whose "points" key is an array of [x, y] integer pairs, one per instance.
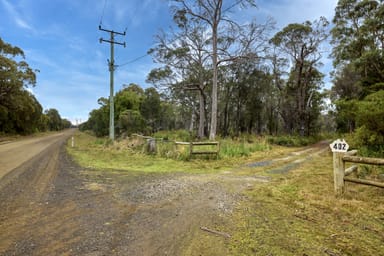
{"points": [[184, 56], [128, 115], [244, 98], [130, 97], [15, 74], [358, 31], [301, 43], [150, 108], [54, 119], [23, 115], [98, 121], [20, 112], [278, 67], [224, 40], [358, 40], [358, 46]]}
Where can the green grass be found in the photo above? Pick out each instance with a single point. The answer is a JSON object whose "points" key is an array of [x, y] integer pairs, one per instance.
{"points": [[240, 148], [298, 214], [130, 155]]}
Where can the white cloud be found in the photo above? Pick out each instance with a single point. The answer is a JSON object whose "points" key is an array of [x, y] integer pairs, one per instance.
{"points": [[38, 60], [20, 22], [296, 11], [121, 14]]}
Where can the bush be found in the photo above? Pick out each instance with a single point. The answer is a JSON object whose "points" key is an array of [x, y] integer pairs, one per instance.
{"points": [[370, 119], [168, 149], [176, 135], [292, 141], [242, 147]]}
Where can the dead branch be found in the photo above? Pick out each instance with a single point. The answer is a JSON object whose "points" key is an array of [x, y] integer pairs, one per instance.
{"points": [[226, 235]]}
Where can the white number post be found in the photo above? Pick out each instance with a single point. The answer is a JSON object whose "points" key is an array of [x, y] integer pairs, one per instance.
{"points": [[339, 148]]}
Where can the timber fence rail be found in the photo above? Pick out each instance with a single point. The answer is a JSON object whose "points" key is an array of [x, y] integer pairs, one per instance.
{"points": [[203, 147], [341, 173]]}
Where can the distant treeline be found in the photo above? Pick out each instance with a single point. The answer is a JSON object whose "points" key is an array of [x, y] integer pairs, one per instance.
{"points": [[20, 112]]}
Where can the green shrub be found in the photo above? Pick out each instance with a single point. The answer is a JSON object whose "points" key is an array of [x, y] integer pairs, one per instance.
{"points": [[292, 141], [176, 135], [242, 147], [369, 136], [168, 149]]}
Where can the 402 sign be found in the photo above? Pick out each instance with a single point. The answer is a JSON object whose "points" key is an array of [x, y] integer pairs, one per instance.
{"points": [[339, 146]]}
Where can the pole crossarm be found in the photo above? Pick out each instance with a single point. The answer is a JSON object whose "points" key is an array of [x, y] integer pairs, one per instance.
{"points": [[111, 31], [112, 42]]}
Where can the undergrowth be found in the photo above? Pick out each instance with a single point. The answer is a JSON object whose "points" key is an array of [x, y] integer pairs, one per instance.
{"points": [[133, 154], [165, 146], [292, 141]]}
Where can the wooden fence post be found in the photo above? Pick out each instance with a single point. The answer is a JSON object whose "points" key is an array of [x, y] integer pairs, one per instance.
{"points": [[338, 172], [151, 145], [190, 149]]}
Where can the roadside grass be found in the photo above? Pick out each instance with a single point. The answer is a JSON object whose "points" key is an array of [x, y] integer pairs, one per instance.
{"points": [[130, 155], [298, 214]]}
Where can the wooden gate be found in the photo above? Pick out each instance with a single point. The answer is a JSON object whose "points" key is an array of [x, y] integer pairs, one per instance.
{"points": [[341, 174]]}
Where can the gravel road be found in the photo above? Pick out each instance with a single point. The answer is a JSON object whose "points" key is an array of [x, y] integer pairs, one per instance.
{"points": [[51, 206]]}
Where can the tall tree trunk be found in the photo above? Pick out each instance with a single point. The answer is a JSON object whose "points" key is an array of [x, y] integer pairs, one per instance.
{"points": [[201, 133], [192, 123], [212, 133], [215, 25], [226, 121]]}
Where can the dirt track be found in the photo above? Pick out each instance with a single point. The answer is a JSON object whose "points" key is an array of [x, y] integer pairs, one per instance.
{"points": [[51, 206]]}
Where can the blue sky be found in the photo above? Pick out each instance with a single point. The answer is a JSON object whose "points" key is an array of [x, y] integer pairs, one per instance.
{"points": [[61, 39]]}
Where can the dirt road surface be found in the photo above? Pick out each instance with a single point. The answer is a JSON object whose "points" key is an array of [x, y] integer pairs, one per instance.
{"points": [[13, 154], [51, 206]]}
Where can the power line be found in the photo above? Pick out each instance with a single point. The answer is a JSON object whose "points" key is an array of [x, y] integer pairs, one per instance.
{"points": [[134, 60], [147, 54], [102, 14]]}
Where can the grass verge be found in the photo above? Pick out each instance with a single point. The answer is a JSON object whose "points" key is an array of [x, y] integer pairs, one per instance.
{"points": [[99, 153], [298, 214]]}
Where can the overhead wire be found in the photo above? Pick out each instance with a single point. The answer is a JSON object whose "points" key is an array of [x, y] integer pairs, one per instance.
{"points": [[102, 14], [147, 54], [133, 60], [101, 22]]}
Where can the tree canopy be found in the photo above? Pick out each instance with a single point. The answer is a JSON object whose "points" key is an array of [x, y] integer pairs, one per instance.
{"points": [[20, 112], [358, 51]]}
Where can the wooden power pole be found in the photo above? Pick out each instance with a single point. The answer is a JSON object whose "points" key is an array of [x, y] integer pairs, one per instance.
{"points": [[111, 64]]}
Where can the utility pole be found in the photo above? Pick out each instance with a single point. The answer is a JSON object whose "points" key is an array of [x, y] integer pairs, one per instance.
{"points": [[111, 64]]}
